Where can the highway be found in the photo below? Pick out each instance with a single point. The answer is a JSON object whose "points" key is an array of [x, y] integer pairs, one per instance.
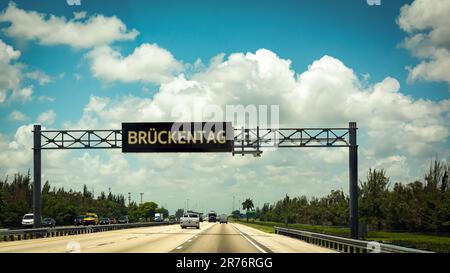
{"points": [[210, 238]]}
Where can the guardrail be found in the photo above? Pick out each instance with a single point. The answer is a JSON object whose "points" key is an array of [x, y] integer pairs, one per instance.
{"points": [[26, 234], [343, 244]]}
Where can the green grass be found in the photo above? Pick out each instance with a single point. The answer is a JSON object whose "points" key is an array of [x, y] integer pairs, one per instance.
{"points": [[258, 225], [413, 240]]}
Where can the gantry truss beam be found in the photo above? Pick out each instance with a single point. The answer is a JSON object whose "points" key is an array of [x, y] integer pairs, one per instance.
{"points": [[246, 141], [81, 139], [253, 141]]}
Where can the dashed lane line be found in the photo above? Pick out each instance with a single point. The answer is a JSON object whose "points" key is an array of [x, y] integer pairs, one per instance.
{"points": [[188, 241]]}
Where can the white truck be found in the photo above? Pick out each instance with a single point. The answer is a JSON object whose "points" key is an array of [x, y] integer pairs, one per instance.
{"points": [[190, 220], [158, 217]]}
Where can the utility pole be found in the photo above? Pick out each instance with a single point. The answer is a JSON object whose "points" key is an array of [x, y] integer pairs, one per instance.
{"points": [[141, 196], [287, 210], [233, 204], [187, 204]]}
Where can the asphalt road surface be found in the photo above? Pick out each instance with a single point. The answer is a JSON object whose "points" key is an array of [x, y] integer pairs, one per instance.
{"points": [[210, 238]]}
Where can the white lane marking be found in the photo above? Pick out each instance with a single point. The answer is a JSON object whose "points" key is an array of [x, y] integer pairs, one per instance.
{"points": [[250, 241], [195, 236]]}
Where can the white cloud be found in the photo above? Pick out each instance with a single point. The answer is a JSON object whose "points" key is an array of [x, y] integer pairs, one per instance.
{"points": [[10, 75], [23, 94], [41, 77], [428, 24], [396, 132], [327, 93], [45, 99], [79, 32], [17, 116], [15, 153], [148, 63], [47, 118]]}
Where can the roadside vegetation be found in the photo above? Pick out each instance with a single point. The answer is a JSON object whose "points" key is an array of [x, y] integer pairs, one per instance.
{"points": [[422, 241], [16, 199], [414, 214]]}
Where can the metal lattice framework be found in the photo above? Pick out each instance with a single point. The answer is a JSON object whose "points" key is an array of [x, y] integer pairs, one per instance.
{"points": [[246, 141], [81, 139], [253, 141]]}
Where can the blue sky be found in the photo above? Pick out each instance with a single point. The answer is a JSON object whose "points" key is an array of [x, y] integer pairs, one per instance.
{"points": [[366, 39]]}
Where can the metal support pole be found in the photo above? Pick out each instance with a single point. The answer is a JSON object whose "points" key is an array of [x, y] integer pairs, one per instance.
{"points": [[353, 177], [37, 175]]}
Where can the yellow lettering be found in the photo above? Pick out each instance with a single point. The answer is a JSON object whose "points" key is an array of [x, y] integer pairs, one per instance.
{"points": [[172, 138], [141, 138], [221, 137], [132, 137], [181, 137], [151, 140], [192, 136], [159, 137], [211, 137]]}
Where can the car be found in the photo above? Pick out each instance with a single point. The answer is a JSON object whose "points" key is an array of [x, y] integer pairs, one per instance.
{"points": [[78, 220], [28, 220], [112, 220], [48, 222], [212, 216], [190, 220], [123, 220], [223, 218], [104, 221], [90, 219]]}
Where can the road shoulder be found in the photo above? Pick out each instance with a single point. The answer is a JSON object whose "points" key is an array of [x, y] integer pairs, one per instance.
{"points": [[279, 243]]}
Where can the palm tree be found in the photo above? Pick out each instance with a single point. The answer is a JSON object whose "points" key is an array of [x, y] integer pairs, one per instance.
{"points": [[247, 205]]}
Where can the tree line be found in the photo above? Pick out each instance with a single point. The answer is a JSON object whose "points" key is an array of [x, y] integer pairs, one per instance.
{"points": [[422, 206], [16, 199], [418, 206]]}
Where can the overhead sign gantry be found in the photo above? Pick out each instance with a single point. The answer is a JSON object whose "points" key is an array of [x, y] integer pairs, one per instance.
{"points": [[198, 137]]}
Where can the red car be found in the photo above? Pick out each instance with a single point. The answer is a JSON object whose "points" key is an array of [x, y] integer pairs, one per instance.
{"points": [[112, 220]]}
